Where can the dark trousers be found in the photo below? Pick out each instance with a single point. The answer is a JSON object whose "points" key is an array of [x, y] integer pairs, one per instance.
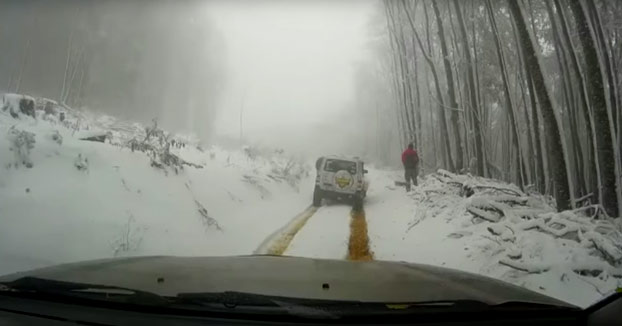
{"points": [[411, 174]]}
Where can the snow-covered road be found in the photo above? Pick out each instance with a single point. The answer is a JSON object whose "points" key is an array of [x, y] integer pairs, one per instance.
{"points": [[325, 235], [332, 231]]}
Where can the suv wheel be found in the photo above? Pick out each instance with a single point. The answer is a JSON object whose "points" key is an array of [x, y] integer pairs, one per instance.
{"points": [[317, 197], [357, 202]]}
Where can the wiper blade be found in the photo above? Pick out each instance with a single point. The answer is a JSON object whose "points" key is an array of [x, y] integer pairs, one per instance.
{"points": [[229, 299], [244, 302], [233, 299], [35, 285], [472, 305]]}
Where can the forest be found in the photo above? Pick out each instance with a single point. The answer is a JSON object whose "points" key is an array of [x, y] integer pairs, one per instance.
{"points": [[526, 91], [128, 59]]}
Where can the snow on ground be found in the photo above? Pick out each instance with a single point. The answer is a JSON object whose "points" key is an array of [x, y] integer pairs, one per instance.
{"points": [[438, 230], [325, 235], [119, 205], [63, 199]]}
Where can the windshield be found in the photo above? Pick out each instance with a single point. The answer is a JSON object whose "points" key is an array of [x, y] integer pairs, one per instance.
{"points": [[338, 165], [490, 132]]}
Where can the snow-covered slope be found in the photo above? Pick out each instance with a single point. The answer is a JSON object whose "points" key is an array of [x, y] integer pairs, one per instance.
{"points": [[521, 239], [85, 200]]}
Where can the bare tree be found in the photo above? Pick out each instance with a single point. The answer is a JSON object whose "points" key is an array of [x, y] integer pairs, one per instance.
{"points": [[451, 91], [508, 96], [553, 136], [472, 91], [604, 141]]}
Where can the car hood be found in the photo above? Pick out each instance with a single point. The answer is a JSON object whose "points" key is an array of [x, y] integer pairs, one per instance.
{"points": [[376, 281]]}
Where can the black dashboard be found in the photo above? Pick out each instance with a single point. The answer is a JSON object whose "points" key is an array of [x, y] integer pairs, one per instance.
{"points": [[28, 311]]}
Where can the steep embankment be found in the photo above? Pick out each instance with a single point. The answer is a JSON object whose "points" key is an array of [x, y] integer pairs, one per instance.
{"points": [[64, 199]]}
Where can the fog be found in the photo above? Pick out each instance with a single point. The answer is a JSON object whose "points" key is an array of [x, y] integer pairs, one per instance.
{"points": [[290, 69], [271, 73], [137, 60]]}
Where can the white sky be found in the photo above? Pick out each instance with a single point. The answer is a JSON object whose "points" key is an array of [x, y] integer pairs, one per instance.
{"points": [[290, 63]]}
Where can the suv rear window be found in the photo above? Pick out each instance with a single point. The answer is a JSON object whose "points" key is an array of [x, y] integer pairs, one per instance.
{"points": [[338, 165]]}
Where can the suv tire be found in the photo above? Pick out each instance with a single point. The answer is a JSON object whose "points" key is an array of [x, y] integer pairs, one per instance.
{"points": [[317, 197], [357, 202]]}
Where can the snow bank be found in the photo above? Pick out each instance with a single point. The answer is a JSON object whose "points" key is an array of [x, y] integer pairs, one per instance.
{"points": [[87, 200], [492, 228], [18, 105]]}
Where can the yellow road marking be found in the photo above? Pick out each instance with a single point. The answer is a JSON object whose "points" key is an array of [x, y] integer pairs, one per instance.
{"points": [[280, 244], [358, 246]]}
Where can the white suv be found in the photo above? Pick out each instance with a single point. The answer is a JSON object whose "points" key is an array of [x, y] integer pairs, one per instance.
{"points": [[340, 178]]}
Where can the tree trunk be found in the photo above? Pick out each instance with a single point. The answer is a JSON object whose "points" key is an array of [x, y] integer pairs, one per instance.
{"points": [[604, 149], [399, 52], [593, 177], [22, 66], [606, 55], [508, 97], [552, 129], [402, 126], [571, 106], [451, 90], [471, 85]]}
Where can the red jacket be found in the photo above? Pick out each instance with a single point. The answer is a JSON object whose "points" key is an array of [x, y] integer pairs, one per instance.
{"points": [[410, 158]]}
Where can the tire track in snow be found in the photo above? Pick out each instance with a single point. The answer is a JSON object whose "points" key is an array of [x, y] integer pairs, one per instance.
{"points": [[325, 235], [277, 242], [358, 245]]}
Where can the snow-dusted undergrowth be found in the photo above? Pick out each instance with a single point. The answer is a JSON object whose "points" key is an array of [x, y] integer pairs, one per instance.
{"points": [[492, 228], [65, 196]]}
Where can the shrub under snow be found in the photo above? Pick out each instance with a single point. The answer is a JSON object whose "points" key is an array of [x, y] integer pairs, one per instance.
{"points": [[21, 142], [524, 232]]}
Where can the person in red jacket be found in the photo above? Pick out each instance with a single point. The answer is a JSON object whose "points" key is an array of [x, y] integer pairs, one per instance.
{"points": [[410, 160]]}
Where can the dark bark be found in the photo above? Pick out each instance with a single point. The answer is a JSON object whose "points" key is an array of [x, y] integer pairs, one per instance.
{"points": [[396, 73], [471, 86], [571, 106], [402, 73], [552, 129], [593, 177], [597, 95], [451, 90], [508, 97], [606, 57]]}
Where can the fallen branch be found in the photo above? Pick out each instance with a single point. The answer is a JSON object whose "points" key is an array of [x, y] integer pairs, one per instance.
{"points": [[503, 190], [206, 219], [581, 199], [609, 251], [191, 164], [495, 229], [483, 214], [514, 254], [469, 189], [511, 200], [595, 268], [524, 267], [449, 182]]}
